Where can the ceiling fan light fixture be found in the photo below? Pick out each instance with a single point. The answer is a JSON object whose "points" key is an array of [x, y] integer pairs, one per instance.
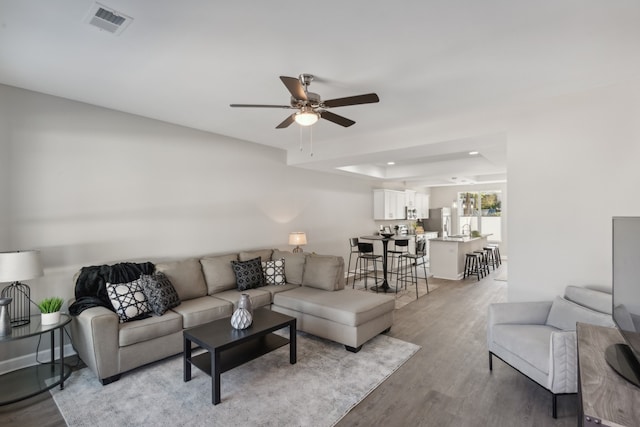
{"points": [[306, 116]]}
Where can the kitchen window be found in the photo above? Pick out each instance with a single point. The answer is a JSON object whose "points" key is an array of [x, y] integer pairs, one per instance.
{"points": [[480, 211]]}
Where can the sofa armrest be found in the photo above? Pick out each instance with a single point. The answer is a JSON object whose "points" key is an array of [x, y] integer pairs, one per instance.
{"points": [[95, 337], [563, 369]]}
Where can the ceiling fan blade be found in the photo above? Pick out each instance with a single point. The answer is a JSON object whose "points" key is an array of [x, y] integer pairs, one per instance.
{"points": [[295, 87], [260, 106], [368, 98], [287, 122], [342, 121]]}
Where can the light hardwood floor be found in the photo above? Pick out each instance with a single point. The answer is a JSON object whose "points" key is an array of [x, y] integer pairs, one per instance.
{"points": [[446, 383]]}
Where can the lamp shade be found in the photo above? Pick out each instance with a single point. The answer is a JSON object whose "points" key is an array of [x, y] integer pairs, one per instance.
{"points": [[297, 238], [21, 265]]}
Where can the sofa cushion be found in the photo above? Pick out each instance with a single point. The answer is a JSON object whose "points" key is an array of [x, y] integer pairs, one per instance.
{"points": [[323, 272], [274, 289], [218, 272], [202, 310], [186, 276], [564, 315], [531, 343], [590, 298], [149, 328], [259, 297], [293, 265], [264, 254], [128, 300], [159, 291], [248, 274], [274, 272], [347, 306]]}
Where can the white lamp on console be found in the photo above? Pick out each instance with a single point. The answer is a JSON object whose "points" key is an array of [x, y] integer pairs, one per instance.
{"points": [[297, 238]]}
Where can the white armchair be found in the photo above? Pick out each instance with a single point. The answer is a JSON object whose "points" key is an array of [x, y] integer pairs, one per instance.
{"points": [[538, 338]]}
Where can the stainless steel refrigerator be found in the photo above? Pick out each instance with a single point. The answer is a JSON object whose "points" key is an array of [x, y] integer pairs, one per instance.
{"points": [[439, 220]]}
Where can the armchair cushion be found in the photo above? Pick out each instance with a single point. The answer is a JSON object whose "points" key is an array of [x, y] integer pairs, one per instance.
{"points": [[564, 314], [530, 342]]}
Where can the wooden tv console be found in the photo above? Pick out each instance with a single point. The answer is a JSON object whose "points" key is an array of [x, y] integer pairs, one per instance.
{"points": [[604, 397]]}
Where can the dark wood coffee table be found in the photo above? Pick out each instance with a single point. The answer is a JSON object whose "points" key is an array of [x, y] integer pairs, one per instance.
{"points": [[228, 348]]}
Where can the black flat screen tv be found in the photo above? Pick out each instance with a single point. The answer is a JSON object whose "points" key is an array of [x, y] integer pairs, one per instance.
{"points": [[625, 358]]}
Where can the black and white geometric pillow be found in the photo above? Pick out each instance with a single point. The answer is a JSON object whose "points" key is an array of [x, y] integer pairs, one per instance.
{"points": [[128, 300], [249, 274], [274, 272], [160, 292]]}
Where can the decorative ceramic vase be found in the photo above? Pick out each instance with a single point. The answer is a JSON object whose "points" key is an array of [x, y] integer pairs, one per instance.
{"points": [[241, 318], [5, 321], [49, 318], [245, 302]]}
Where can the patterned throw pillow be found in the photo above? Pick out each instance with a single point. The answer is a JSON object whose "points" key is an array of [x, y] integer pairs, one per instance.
{"points": [[248, 274], [159, 292], [128, 300], [274, 272]]}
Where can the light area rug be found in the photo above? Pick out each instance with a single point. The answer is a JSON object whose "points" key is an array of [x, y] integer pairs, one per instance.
{"points": [[325, 383], [403, 296]]}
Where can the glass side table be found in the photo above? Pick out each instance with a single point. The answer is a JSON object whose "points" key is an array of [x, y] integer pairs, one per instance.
{"points": [[27, 382]]}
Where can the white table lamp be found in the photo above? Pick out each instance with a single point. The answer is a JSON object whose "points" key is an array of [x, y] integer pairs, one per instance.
{"points": [[14, 267], [297, 238]]}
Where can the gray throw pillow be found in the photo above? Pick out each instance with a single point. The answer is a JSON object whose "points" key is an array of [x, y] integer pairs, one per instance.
{"points": [[564, 315], [248, 274], [159, 292]]}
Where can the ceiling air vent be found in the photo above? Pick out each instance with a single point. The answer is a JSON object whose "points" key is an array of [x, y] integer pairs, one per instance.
{"points": [[107, 19]]}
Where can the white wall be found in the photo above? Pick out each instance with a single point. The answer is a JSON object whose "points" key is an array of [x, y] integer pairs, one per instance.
{"points": [[572, 165], [98, 186], [4, 176]]}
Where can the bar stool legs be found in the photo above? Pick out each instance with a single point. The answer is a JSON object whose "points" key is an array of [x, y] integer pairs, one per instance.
{"points": [[408, 271], [472, 266]]}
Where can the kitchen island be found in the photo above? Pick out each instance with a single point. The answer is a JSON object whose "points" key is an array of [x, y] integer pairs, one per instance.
{"points": [[448, 254]]}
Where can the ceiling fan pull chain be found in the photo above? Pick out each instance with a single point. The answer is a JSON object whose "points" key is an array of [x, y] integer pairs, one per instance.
{"points": [[300, 127], [311, 140]]}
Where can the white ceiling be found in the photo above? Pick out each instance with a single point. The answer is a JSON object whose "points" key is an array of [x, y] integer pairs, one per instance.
{"points": [[446, 71]]}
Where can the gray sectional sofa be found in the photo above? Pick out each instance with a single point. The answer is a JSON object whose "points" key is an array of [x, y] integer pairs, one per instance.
{"points": [[314, 294]]}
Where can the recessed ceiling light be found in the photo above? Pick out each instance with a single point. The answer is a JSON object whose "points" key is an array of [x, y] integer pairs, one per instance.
{"points": [[473, 153], [391, 163]]}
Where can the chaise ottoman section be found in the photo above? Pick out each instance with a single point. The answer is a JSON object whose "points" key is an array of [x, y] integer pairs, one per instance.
{"points": [[346, 316]]}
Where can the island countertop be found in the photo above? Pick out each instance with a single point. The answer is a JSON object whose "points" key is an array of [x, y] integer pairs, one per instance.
{"points": [[448, 254], [459, 238]]}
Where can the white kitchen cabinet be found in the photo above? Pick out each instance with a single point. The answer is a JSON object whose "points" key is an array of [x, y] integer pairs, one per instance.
{"points": [[410, 198], [388, 204], [422, 205]]}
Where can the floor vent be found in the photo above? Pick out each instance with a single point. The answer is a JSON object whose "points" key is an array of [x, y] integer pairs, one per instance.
{"points": [[107, 19]]}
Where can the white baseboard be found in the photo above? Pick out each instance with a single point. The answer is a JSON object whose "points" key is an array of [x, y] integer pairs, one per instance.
{"points": [[30, 359]]}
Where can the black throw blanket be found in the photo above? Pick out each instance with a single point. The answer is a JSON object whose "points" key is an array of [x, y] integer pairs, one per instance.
{"points": [[91, 286]]}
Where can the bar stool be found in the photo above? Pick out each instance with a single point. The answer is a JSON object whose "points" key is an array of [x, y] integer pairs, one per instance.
{"points": [[353, 244], [365, 254], [496, 251], [484, 262], [400, 247], [490, 253], [472, 265], [411, 262]]}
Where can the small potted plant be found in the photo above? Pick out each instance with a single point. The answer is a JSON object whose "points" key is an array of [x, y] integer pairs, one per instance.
{"points": [[50, 310]]}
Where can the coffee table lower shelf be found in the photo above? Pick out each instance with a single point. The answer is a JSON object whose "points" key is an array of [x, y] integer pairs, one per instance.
{"points": [[240, 354]]}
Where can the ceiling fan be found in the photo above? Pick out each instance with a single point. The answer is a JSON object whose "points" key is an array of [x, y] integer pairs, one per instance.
{"points": [[310, 106]]}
